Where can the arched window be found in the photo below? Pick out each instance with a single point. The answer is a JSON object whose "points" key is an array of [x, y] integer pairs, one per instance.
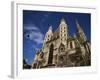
{"points": [[72, 44], [50, 58], [42, 55], [62, 48]]}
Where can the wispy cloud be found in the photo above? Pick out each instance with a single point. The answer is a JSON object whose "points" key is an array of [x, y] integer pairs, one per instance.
{"points": [[31, 27], [34, 34]]}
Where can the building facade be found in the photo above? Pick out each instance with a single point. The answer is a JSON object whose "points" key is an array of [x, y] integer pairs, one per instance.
{"points": [[62, 50]]}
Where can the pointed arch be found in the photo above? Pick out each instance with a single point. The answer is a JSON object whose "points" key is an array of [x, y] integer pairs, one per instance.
{"points": [[50, 57], [61, 47]]}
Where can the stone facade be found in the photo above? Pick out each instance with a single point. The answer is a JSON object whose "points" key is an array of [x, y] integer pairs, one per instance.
{"points": [[61, 50]]}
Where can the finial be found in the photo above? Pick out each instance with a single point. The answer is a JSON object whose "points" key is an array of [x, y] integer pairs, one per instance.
{"points": [[62, 20], [50, 27]]}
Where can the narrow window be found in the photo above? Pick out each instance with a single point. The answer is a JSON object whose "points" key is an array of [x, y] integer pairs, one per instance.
{"points": [[71, 45]]}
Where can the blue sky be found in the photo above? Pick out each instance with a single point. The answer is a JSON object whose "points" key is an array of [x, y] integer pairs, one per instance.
{"points": [[36, 24]]}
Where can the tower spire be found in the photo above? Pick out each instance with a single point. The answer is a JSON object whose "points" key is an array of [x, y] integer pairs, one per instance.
{"points": [[63, 21], [50, 28], [79, 29], [63, 31], [80, 32], [48, 35]]}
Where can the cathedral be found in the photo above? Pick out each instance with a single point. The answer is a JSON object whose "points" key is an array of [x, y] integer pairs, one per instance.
{"points": [[62, 50]]}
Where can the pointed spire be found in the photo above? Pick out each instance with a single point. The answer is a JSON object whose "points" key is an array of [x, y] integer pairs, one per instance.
{"points": [[49, 32], [50, 28], [80, 31], [63, 21], [78, 26]]}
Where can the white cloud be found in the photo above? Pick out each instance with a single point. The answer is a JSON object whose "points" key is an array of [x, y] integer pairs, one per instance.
{"points": [[31, 27], [38, 37], [34, 34]]}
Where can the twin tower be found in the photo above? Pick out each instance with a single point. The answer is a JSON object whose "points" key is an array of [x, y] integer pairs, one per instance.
{"points": [[62, 50]]}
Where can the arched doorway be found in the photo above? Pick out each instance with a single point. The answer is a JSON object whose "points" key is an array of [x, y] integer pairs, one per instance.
{"points": [[50, 58]]}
